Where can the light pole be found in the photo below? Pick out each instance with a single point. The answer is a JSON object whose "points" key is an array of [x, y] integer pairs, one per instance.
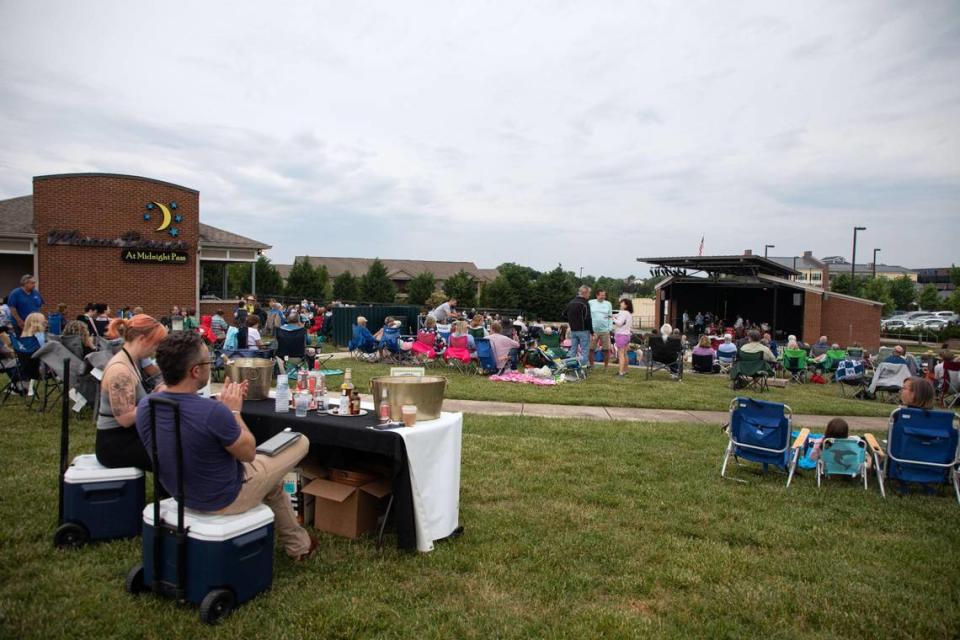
{"points": [[853, 263], [768, 246], [875, 252], [581, 273]]}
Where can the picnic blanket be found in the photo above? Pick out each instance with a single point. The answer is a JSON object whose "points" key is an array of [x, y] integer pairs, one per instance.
{"points": [[522, 378]]}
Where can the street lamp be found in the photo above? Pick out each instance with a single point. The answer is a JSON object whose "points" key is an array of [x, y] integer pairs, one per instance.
{"points": [[581, 272], [768, 246], [875, 252], [853, 263]]}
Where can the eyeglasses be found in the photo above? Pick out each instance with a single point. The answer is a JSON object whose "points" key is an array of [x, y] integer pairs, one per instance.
{"points": [[200, 363]]}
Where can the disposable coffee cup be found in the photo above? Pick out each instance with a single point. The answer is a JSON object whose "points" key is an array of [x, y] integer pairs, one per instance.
{"points": [[409, 413]]}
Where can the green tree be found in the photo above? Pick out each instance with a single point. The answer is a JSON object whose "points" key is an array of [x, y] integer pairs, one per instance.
{"points": [[463, 287], [551, 293], [521, 281], [376, 285], [346, 287], [953, 302], [499, 294], [929, 298], [879, 289], [420, 287], [955, 275], [613, 287], [903, 291], [307, 282], [842, 284]]}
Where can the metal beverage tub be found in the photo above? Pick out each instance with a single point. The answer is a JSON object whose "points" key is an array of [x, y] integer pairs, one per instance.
{"points": [[426, 392]]}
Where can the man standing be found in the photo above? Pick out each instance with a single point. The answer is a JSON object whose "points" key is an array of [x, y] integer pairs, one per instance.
{"points": [[581, 325], [23, 301], [445, 312], [222, 472], [601, 312]]}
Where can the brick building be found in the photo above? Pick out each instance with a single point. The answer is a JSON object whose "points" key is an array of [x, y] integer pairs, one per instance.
{"points": [[760, 290], [117, 239]]}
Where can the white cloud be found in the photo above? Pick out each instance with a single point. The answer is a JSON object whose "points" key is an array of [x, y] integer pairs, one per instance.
{"points": [[582, 133]]}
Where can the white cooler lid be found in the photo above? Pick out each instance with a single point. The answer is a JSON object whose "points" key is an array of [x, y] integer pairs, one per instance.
{"points": [[209, 526], [86, 468]]}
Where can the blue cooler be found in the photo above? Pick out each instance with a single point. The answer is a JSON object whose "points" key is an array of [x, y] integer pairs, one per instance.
{"points": [[105, 503], [232, 553]]}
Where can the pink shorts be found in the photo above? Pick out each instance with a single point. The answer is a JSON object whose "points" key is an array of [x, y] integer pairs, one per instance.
{"points": [[621, 340]]}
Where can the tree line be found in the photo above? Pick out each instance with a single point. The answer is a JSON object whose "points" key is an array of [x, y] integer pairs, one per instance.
{"points": [[536, 293]]}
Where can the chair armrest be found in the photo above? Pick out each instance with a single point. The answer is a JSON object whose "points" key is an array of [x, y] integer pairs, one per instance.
{"points": [[873, 444], [801, 438]]}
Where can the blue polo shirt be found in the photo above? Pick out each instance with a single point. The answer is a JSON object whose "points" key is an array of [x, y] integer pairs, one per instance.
{"points": [[25, 303]]}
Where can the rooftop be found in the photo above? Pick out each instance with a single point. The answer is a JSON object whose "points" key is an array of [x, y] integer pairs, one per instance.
{"points": [[741, 265], [396, 269]]}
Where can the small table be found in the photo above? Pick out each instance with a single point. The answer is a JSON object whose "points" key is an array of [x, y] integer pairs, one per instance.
{"points": [[341, 440]]}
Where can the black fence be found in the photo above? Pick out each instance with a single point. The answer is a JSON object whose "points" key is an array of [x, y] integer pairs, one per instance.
{"points": [[344, 318]]}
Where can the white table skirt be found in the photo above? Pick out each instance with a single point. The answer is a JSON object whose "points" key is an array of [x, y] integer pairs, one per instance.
{"points": [[433, 453]]}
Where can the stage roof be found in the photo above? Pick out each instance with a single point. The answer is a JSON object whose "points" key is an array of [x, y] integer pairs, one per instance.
{"points": [[717, 266]]}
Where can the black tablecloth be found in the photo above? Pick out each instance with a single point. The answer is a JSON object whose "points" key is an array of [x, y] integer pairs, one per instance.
{"points": [[339, 442]]}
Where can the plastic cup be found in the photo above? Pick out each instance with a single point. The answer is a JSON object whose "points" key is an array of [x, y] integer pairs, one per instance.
{"points": [[409, 413], [302, 405]]}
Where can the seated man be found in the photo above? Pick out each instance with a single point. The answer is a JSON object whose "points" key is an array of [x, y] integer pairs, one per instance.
{"points": [[900, 356], [771, 344], [293, 322], [501, 344], [818, 350], [362, 339], [727, 351], [754, 345], [222, 472]]}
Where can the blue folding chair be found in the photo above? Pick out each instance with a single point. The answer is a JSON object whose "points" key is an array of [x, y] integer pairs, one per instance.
{"points": [[845, 457], [488, 363], [760, 432], [922, 448], [851, 373]]}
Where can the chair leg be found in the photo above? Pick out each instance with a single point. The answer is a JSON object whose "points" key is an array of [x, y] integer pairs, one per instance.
{"points": [[793, 466], [726, 459], [819, 473], [879, 471]]}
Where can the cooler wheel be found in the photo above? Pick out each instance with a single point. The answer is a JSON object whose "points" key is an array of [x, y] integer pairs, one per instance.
{"points": [[71, 536], [135, 583], [216, 605]]}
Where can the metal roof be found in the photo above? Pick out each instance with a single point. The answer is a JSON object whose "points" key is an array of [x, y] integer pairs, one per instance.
{"points": [[742, 265]]}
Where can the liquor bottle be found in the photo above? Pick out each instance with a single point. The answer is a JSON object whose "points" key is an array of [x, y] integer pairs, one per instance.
{"points": [[355, 403], [384, 407], [346, 391]]}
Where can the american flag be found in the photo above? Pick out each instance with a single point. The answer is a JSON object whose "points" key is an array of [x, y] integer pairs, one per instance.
{"points": [[700, 252]]}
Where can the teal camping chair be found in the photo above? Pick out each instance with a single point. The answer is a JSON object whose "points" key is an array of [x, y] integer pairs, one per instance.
{"points": [[845, 457]]}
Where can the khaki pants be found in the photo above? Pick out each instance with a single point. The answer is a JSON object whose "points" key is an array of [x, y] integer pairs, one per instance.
{"points": [[263, 482]]}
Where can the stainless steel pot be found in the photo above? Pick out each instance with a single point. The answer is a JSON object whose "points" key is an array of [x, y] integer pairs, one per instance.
{"points": [[258, 372], [426, 392]]}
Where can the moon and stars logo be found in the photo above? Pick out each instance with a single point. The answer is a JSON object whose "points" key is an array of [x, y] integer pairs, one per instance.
{"points": [[166, 213]]}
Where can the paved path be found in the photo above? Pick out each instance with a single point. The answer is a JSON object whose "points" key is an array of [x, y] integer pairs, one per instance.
{"points": [[631, 414]]}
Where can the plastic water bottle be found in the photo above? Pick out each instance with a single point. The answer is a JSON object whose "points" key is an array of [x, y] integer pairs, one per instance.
{"points": [[282, 401]]}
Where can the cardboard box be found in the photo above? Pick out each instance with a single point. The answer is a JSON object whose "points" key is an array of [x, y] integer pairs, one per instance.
{"points": [[345, 510], [309, 471]]}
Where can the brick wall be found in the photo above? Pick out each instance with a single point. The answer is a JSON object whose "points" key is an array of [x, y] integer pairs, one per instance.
{"points": [[811, 317], [846, 321], [108, 206]]}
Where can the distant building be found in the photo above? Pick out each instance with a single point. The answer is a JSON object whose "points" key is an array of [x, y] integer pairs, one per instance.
{"points": [[809, 270], [401, 272], [939, 277], [837, 265]]}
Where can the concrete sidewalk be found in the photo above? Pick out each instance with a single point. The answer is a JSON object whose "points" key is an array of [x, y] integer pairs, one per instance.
{"points": [[631, 414]]}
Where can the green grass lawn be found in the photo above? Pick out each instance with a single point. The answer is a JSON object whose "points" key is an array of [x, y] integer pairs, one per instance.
{"points": [[574, 529], [603, 388]]}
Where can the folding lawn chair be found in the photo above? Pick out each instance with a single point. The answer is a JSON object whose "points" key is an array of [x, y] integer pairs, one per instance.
{"points": [[292, 344], [829, 364], [851, 373], [888, 379], [703, 364], [389, 346], [845, 457], [552, 342], [949, 390], [921, 449], [674, 368], [750, 371], [488, 364], [795, 363], [760, 432]]}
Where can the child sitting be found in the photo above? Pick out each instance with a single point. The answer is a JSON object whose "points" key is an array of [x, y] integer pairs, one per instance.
{"points": [[837, 429], [461, 343]]}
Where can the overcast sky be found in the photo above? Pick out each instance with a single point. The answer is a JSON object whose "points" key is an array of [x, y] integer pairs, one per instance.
{"points": [[585, 133]]}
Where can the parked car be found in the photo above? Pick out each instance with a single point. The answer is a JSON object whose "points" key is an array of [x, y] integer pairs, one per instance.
{"points": [[891, 324], [949, 316], [929, 324]]}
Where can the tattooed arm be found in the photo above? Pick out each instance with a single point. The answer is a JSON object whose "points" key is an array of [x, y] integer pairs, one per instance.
{"points": [[122, 392]]}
